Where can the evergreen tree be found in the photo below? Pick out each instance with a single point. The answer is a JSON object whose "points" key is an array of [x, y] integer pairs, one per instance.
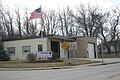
{"points": [[3, 55]]}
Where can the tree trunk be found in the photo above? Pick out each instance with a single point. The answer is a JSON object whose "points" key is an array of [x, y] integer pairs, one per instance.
{"points": [[116, 52], [109, 50]]}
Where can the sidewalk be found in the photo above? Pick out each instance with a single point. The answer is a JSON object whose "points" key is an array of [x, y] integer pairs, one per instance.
{"points": [[106, 61]]}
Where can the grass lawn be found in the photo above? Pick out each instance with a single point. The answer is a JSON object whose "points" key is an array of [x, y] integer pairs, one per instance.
{"points": [[41, 63], [112, 55]]}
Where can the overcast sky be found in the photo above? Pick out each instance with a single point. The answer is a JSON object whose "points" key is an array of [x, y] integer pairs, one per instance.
{"points": [[55, 4]]}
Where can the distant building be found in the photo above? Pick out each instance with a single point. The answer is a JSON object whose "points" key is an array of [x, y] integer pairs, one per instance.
{"points": [[112, 47], [85, 47]]}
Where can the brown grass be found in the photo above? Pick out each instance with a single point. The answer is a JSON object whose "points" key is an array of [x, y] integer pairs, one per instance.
{"points": [[112, 55], [40, 64]]}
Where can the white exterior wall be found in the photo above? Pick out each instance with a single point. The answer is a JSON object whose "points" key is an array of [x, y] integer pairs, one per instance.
{"points": [[28, 42], [62, 55]]}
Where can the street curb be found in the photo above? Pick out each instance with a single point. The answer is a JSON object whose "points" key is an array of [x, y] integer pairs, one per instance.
{"points": [[103, 64], [62, 67], [53, 68], [26, 69]]}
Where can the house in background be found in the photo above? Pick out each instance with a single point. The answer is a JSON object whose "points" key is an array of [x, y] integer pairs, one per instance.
{"points": [[112, 47], [86, 47]]}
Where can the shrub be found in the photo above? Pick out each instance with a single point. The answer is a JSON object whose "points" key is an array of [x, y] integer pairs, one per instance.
{"points": [[55, 56], [31, 57], [4, 56]]}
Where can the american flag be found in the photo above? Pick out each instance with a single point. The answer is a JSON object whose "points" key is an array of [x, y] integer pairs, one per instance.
{"points": [[36, 14]]}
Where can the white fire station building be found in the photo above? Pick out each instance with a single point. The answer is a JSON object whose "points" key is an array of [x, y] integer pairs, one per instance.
{"points": [[84, 47]]}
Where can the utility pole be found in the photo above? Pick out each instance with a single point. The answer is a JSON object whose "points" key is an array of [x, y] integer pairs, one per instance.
{"points": [[102, 52]]}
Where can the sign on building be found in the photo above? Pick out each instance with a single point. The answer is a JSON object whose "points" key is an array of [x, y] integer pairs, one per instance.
{"points": [[64, 45], [44, 54], [72, 45]]}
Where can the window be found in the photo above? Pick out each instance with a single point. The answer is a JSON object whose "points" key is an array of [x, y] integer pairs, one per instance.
{"points": [[26, 49], [39, 47], [11, 50]]}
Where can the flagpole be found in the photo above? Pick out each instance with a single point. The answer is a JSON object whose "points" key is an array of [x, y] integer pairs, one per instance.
{"points": [[42, 34], [37, 13], [41, 28]]}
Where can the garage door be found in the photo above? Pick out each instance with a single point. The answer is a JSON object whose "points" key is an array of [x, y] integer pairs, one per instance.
{"points": [[91, 51]]}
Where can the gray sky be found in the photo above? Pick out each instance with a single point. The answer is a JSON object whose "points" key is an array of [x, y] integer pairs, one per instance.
{"points": [[55, 4]]}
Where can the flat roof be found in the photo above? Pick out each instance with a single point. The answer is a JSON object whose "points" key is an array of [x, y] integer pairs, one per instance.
{"points": [[47, 36]]}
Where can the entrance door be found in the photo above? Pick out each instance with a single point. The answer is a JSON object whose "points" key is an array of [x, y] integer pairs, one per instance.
{"points": [[55, 48], [91, 50]]}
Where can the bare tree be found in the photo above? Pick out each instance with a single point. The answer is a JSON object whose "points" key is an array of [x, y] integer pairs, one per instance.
{"points": [[109, 31], [18, 22], [88, 19], [2, 18], [33, 28], [67, 22], [115, 30], [26, 23], [61, 24], [94, 23], [29, 27], [9, 23], [49, 20]]}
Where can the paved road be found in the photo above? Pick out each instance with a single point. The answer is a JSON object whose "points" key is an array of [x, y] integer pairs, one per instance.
{"points": [[101, 72]]}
